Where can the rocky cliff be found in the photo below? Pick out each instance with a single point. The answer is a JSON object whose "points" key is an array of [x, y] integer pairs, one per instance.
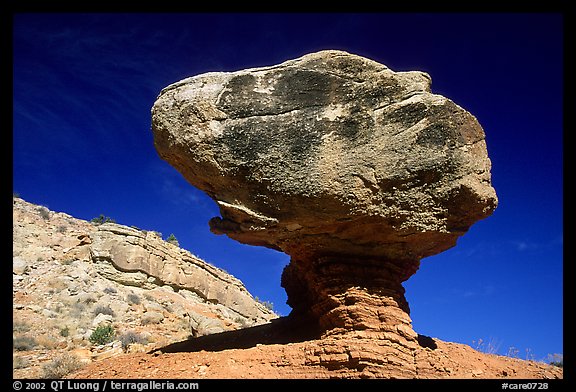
{"points": [[70, 276]]}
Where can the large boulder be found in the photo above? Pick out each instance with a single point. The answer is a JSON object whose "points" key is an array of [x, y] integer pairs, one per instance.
{"points": [[354, 170]]}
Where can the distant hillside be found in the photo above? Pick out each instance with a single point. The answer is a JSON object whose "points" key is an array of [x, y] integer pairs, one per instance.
{"points": [[83, 292]]}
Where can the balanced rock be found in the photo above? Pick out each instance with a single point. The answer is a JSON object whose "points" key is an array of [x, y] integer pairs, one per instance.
{"points": [[354, 170]]}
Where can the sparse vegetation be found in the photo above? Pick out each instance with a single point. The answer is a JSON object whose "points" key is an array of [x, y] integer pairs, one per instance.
{"points": [[512, 352], [102, 334], [172, 240], [61, 229], [102, 219], [78, 309], [23, 343], [104, 310], [556, 360], [131, 337], [133, 299], [488, 347], [61, 366], [47, 341], [267, 304], [44, 212], [110, 290], [20, 326], [20, 362], [65, 332]]}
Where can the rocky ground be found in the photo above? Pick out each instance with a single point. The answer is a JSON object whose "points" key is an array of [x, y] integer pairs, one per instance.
{"points": [[284, 349], [311, 359], [61, 296]]}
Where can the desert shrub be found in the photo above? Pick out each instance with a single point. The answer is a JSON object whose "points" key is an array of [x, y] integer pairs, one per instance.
{"points": [[44, 212], [133, 299], [20, 326], [20, 362], [65, 332], [491, 346], [78, 309], [86, 298], [267, 304], [23, 343], [102, 334], [61, 366], [47, 341], [110, 290], [556, 360], [104, 310], [131, 337], [172, 240], [102, 219]]}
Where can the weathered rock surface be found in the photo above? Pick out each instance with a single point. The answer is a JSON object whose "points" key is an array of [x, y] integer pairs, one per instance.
{"points": [[329, 153], [355, 171], [140, 258], [318, 360], [66, 283]]}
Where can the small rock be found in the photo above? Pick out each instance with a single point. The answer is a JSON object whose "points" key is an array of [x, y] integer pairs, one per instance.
{"points": [[136, 348], [19, 266], [152, 318], [153, 307], [102, 319]]}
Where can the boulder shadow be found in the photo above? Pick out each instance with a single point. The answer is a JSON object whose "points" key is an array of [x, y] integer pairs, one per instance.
{"points": [[282, 330]]}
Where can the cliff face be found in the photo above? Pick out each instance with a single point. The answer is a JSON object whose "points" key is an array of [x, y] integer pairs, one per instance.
{"points": [[133, 257], [70, 276]]}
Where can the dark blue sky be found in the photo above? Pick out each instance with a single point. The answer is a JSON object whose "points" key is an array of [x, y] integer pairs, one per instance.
{"points": [[84, 85]]}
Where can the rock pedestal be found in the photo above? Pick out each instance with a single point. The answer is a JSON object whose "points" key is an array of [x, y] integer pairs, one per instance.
{"points": [[355, 171], [360, 306]]}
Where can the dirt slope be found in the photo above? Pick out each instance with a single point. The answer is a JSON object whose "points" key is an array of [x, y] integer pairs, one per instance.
{"points": [[282, 350]]}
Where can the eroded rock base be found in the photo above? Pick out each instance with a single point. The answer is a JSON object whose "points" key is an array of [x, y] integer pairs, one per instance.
{"points": [[348, 358], [360, 308]]}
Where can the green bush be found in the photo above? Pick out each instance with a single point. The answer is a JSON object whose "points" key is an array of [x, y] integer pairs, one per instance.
{"points": [[172, 239], [102, 219], [65, 332], [102, 334]]}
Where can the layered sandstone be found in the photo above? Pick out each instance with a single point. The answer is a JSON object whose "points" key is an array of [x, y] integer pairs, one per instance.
{"points": [[70, 276], [354, 170], [142, 258]]}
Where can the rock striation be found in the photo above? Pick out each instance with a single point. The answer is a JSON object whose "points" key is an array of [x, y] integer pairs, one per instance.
{"points": [[71, 276], [134, 257], [355, 171]]}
